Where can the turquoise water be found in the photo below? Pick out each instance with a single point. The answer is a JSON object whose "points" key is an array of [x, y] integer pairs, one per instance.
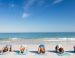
{"points": [[38, 35]]}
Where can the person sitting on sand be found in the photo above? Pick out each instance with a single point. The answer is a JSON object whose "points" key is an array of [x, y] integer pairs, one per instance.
{"points": [[60, 50], [5, 49], [74, 48], [41, 49], [22, 49], [10, 48], [56, 48]]}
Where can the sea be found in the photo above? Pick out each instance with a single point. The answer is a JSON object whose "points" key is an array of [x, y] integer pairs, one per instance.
{"points": [[36, 35]]}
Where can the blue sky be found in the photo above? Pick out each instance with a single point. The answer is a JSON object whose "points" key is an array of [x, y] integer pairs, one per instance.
{"points": [[37, 15]]}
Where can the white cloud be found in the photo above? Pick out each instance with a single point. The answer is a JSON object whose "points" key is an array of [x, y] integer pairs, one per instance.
{"points": [[26, 8], [57, 1], [29, 4], [25, 15]]}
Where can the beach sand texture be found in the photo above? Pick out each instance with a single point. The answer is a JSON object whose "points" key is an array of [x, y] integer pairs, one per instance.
{"points": [[32, 46]]}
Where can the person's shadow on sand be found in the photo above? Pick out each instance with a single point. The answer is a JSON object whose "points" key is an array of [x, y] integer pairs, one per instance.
{"points": [[52, 51], [36, 52], [70, 51]]}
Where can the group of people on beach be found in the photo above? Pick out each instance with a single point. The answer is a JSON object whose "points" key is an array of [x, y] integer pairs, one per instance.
{"points": [[8, 48], [41, 49], [58, 49]]}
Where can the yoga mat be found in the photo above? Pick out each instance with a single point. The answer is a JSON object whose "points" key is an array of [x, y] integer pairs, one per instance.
{"points": [[63, 54]]}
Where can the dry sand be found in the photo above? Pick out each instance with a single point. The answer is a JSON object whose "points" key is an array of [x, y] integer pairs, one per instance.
{"points": [[32, 46]]}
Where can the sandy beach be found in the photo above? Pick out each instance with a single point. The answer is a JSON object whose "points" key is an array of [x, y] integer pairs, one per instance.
{"points": [[32, 47]]}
